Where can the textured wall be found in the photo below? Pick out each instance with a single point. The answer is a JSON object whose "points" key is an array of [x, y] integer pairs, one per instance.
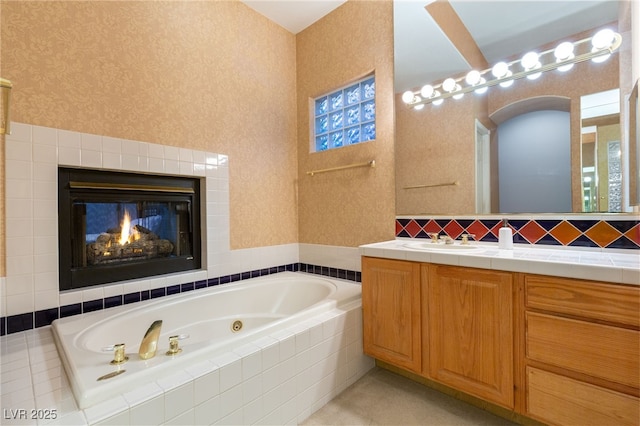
{"points": [[212, 75], [355, 206]]}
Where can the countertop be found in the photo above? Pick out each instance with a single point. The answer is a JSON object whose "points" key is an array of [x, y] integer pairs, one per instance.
{"points": [[590, 264]]}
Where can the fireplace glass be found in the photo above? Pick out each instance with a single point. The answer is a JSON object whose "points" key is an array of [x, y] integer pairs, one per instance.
{"points": [[119, 226]]}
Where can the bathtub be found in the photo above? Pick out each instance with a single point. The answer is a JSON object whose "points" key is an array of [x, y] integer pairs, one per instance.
{"points": [[209, 317]]}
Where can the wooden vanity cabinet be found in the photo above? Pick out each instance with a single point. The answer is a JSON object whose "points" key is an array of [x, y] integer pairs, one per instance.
{"points": [[391, 312], [582, 351], [557, 350], [470, 329], [450, 324]]}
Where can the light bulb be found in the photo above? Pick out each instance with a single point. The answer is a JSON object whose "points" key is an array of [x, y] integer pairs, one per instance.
{"points": [[458, 95], [509, 82], [418, 107], [566, 67], [407, 97], [436, 93], [603, 39], [482, 89], [530, 61], [601, 58], [473, 77], [449, 85], [564, 51], [500, 70], [535, 75], [426, 91]]}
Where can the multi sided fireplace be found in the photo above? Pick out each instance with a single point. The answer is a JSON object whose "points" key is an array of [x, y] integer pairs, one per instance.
{"points": [[117, 226]]}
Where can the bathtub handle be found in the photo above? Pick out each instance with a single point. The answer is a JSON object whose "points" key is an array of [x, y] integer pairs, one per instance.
{"points": [[119, 355], [174, 347]]}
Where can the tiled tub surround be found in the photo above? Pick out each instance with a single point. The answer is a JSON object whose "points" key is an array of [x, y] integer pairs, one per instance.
{"points": [[615, 231], [621, 266], [264, 305], [277, 379]]}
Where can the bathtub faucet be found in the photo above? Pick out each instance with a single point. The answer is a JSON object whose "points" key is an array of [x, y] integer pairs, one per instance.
{"points": [[149, 344]]}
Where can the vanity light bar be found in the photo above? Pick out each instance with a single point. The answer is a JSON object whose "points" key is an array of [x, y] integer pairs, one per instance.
{"points": [[437, 93]]}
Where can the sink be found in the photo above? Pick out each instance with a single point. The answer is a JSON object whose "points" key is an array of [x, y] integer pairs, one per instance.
{"points": [[442, 247]]}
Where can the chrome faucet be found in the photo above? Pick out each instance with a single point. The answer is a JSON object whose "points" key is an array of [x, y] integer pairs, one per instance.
{"points": [[149, 344]]}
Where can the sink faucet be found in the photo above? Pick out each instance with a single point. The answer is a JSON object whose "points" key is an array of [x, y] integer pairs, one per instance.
{"points": [[149, 344]]}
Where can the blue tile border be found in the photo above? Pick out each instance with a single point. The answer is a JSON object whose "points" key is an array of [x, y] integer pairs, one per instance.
{"points": [[30, 320]]}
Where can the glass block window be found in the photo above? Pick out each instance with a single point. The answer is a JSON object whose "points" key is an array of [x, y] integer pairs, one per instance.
{"points": [[345, 116]]}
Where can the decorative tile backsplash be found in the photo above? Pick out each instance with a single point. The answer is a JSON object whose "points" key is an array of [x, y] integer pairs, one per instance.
{"points": [[577, 231]]}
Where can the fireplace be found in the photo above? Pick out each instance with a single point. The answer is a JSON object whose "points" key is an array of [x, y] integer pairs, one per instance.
{"points": [[117, 226]]}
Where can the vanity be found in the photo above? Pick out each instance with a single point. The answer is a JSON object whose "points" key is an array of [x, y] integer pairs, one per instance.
{"points": [[552, 335]]}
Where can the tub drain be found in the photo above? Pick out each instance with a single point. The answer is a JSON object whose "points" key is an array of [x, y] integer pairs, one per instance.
{"points": [[236, 326]]}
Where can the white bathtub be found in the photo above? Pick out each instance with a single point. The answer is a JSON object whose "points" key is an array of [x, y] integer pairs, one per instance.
{"points": [[264, 305]]}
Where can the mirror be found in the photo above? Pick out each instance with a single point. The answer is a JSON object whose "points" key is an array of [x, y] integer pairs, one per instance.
{"points": [[452, 158]]}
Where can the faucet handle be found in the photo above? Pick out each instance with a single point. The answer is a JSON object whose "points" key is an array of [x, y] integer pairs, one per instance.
{"points": [[174, 347], [119, 355], [465, 238], [434, 236]]}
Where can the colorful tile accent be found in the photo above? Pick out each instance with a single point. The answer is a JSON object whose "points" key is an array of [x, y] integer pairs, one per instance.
{"points": [[578, 232]]}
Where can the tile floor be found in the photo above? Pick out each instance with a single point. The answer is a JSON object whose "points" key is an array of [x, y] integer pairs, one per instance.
{"points": [[385, 398]]}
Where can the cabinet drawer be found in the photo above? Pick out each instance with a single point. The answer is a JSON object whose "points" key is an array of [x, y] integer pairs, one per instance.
{"points": [[603, 351], [560, 400], [593, 300]]}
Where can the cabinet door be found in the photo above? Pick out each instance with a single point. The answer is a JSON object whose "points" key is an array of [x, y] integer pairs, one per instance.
{"points": [[391, 311], [471, 331]]}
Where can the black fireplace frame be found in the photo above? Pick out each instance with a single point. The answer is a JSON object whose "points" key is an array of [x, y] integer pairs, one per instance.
{"points": [[93, 185]]}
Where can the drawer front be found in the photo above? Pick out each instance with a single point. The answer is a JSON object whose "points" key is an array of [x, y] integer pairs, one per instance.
{"points": [[593, 300], [560, 400], [603, 351]]}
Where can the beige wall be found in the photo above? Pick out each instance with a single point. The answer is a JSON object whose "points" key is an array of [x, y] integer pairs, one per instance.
{"points": [[212, 76], [215, 76], [355, 206]]}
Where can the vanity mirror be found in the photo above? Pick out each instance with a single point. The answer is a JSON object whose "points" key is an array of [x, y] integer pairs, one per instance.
{"points": [[469, 154]]}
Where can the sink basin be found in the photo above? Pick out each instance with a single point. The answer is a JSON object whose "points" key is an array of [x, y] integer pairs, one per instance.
{"points": [[442, 247]]}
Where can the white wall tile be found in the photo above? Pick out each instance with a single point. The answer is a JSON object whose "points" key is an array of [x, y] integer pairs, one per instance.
{"points": [[130, 148], [130, 162], [65, 138], [112, 145], [185, 155], [45, 135], [70, 298], [69, 156], [45, 154], [18, 169], [46, 190], [19, 208], [19, 303], [20, 132], [20, 246], [156, 151], [171, 166], [111, 160], [46, 299], [171, 153], [156, 165], [91, 159], [208, 412], [178, 400], [90, 142]]}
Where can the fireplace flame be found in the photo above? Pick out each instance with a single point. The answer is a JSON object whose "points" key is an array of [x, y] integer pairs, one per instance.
{"points": [[125, 234]]}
